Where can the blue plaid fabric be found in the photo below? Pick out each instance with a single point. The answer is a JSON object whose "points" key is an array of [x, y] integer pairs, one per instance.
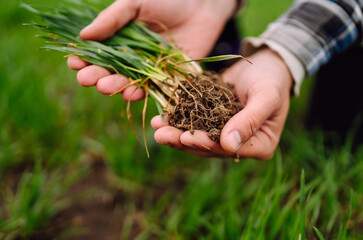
{"points": [[316, 30]]}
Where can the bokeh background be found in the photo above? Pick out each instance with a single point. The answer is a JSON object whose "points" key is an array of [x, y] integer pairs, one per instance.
{"points": [[70, 167]]}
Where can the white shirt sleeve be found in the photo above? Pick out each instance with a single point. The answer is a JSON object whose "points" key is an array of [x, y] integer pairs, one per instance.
{"points": [[251, 45]]}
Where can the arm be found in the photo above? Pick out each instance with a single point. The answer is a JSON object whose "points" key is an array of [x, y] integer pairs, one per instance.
{"points": [[303, 39], [311, 33]]}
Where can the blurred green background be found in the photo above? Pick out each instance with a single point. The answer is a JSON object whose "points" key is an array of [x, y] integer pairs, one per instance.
{"points": [[70, 168]]}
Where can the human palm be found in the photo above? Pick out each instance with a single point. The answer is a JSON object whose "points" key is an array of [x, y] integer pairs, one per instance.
{"points": [[263, 88]]}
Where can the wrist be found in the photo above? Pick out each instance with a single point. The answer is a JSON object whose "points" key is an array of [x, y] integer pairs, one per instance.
{"points": [[278, 67], [297, 70], [286, 78]]}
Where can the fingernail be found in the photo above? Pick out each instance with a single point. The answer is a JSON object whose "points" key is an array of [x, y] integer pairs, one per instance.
{"points": [[235, 140]]}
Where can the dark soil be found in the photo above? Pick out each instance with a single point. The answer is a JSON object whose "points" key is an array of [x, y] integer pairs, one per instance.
{"points": [[98, 209], [206, 103]]}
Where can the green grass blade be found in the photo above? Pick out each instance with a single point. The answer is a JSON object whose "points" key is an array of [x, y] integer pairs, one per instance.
{"points": [[302, 206], [29, 8], [217, 58], [156, 37], [160, 110], [343, 235], [318, 233]]}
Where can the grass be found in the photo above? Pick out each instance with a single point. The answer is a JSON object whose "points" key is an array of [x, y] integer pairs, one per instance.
{"points": [[250, 201], [51, 128], [38, 197]]}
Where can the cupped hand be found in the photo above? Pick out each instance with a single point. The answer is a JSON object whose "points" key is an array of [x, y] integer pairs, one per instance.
{"points": [[195, 26], [263, 88]]}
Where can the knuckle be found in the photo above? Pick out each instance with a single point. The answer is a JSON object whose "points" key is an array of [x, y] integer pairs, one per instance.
{"points": [[275, 96], [252, 124]]}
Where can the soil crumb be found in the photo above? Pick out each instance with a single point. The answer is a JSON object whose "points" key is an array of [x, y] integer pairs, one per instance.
{"points": [[206, 104]]}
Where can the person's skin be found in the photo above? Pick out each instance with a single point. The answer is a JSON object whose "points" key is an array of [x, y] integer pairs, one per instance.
{"points": [[263, 87], [194, 24]]}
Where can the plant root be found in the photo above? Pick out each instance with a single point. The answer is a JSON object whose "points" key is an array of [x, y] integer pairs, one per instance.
{"points": [[206, 103]]}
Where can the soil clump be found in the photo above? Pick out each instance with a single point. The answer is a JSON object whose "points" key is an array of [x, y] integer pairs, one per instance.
{"points": [[206, 104]]}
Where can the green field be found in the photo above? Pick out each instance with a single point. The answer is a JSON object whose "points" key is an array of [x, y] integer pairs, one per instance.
{"points": [[71, 168]]}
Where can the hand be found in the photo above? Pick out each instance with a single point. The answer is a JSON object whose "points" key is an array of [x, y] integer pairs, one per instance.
{"points": [[195, 25], [263, 88]]}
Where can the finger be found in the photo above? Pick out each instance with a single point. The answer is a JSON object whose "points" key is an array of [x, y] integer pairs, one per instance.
{"points": [[242, 126], [111, 84], [133, 93], [110, 20], [200, 140], [169, 136], [89, 75], [75, 63], [260, 146], [158, 122]]}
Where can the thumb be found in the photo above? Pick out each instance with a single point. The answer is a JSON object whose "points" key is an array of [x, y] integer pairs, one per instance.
{"points": [[242, 126], [110, 20]]}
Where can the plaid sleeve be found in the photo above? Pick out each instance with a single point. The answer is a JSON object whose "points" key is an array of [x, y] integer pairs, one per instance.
{"points": [[313, 31]]}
